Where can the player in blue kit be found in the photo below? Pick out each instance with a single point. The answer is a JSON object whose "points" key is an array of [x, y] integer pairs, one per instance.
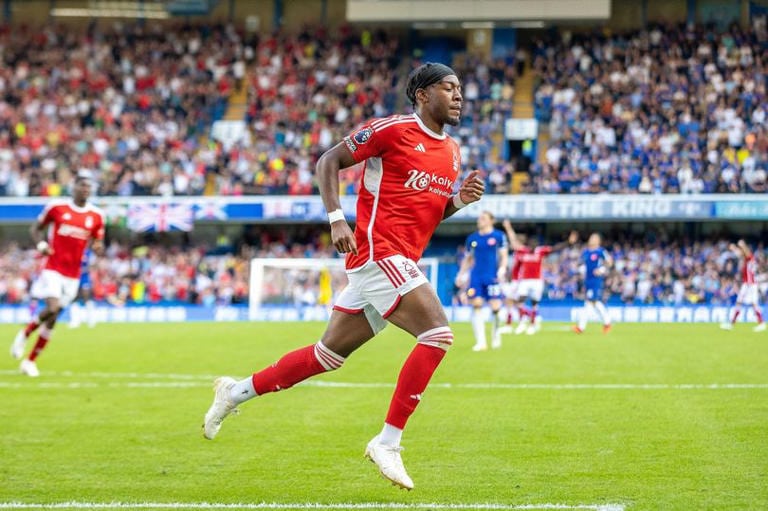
{"points": [[84, 296], [485, 265], [595, 264]]}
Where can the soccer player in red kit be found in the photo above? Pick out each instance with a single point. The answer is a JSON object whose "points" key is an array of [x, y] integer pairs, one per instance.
{"points": [[748, 292], [411, 167], [62, 232], [529, 263]]}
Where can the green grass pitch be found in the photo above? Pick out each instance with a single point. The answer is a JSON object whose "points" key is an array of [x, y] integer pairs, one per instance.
{"points": [[648, 417]]}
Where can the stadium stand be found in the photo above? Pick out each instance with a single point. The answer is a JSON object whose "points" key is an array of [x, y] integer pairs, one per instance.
{"points": [[670, 109]]}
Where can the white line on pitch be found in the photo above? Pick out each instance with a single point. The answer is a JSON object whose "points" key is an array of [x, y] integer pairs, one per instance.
{"points": [[23, 382], [306, 505]]}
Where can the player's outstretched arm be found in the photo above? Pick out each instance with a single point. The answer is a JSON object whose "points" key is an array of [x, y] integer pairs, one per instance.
{"points": [[514, 243], [471, 190], [573, 237], [327, 170], [744, 248]]}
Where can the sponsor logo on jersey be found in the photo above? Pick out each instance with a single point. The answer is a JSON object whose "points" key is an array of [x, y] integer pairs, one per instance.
{"points": [[73, 231], [363, 136], [426, 181]]}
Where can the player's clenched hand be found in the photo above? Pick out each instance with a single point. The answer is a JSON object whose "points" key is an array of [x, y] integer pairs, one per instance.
{"points": [[98, 247], [44, 248], [472, 188], [342, 237]]}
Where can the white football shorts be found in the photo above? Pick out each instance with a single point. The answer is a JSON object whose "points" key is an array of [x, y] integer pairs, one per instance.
{"points": [[531, 288], [375, 288], [748, 294], [511, 290], [52, 284]]}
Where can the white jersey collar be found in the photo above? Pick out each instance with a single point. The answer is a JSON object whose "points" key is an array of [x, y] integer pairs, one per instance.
{"points": [[425, 129]]}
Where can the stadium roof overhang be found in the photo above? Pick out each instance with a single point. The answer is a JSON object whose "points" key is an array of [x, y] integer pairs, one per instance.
{"points": [[489, 13]]}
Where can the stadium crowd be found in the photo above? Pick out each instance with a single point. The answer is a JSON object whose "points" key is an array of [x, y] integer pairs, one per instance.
{"points": [[130, 104], [135, 105], [664, 110], [646, 271], [671, 109]]}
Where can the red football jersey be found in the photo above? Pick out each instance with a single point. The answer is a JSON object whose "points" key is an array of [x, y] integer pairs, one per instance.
{"points": [[749, 270], [531, 261], [408, 178], [514, 272], [70, 229]]}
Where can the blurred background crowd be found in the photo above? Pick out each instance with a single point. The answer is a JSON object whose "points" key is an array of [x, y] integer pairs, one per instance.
{"points": [[651, 269], [670, 109]]}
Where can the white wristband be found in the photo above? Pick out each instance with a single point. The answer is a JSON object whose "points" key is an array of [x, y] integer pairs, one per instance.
{"points": [[457, 202], [335, 216], [42, 246]]}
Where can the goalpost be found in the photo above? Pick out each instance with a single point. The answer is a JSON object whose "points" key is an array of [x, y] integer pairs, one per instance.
{"points": [[286, 289]]}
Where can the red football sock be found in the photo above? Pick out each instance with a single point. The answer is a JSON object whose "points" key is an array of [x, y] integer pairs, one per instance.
{"points": [[31, 327], [532, 314], [735, 315], [759, 315], [523, 312], [413, 380], [42, 340], [294, 367]]}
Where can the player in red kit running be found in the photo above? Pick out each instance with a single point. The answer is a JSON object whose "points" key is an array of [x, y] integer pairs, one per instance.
{"points": [[748, 292], [411, 167], [62, 232], [529, 275], [511, 289]]}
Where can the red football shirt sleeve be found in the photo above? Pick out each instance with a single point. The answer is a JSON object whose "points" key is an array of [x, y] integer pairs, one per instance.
{"points": [[365, 142], [544, 250], [46, 216]]}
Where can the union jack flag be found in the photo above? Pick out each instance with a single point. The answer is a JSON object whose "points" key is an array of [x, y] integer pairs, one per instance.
{"points": [[210, 211], [160, 217]]}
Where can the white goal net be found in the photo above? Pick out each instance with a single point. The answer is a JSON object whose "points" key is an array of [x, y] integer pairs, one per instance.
{"points": [[283, 289]]}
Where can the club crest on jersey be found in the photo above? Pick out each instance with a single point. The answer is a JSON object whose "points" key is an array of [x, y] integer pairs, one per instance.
{"points": [[363, 136], [88, 222], [491, 241]]}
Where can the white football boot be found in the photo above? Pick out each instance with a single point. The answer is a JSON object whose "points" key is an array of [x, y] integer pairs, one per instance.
{"points": [[726, 326], [19, 343], [760, 327], [222, 406], [522, 326], [29, 367], [390, 464]]}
